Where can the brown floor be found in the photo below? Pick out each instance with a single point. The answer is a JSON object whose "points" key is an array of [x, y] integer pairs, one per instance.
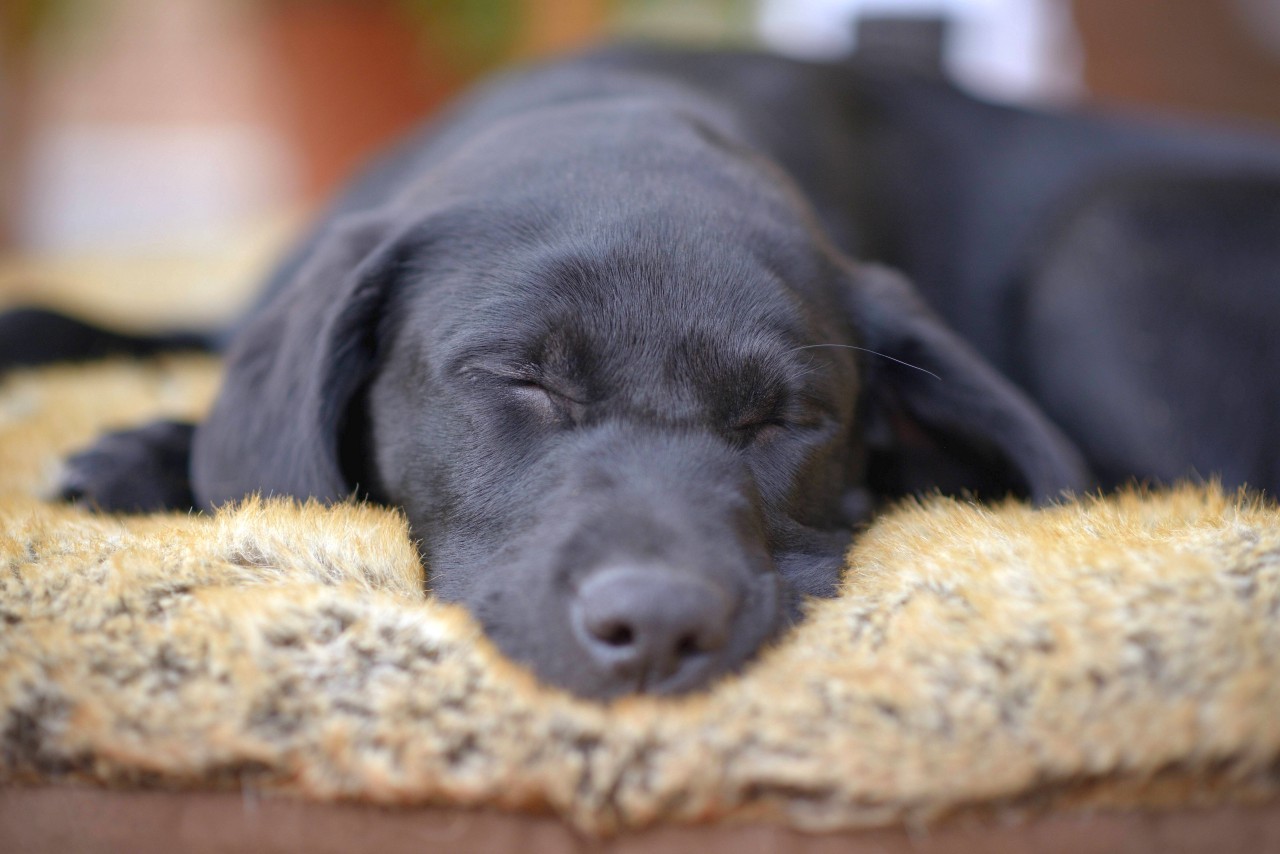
{"points": [[86, 820]]}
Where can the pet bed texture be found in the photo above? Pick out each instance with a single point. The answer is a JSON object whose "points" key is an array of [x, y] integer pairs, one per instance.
{"points": [[1107, 652]]}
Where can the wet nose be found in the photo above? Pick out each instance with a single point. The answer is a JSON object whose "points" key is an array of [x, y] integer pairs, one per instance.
{"points": [[650, 628]]}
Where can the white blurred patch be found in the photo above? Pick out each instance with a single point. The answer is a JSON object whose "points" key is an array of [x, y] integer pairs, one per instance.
{"points": [[132, 187], [1009, 50]]}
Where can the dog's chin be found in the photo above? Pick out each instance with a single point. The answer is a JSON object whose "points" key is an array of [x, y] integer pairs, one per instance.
{"points": [[537, 632]]}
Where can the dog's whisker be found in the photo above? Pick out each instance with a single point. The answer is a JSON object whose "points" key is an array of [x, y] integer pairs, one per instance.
{"points": [[872, 352]]}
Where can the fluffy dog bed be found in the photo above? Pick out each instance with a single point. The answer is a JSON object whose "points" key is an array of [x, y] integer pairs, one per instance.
{"points": [[1111, 652]]}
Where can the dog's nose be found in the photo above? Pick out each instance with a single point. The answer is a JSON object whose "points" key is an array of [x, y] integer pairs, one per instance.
{"points": [[648, 627]]}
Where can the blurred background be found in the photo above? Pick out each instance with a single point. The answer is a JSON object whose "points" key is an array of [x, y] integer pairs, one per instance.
{"points": [[152, 149]]}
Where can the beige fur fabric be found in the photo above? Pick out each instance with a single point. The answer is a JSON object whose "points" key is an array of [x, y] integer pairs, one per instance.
{"points": [[1109, 652]]}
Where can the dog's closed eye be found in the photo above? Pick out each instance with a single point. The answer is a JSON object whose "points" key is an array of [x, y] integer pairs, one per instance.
{"points": [[542, 400], [547, 401], [788, 415], [759, 430]]}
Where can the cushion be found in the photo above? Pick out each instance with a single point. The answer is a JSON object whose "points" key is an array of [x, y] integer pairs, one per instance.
{"points": [[1111, 652]]}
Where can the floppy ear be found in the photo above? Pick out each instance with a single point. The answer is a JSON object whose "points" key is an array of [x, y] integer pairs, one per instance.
{"points": [[294, 370], [970, 427]]}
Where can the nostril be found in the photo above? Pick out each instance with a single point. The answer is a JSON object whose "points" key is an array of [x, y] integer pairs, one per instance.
{"points": [[616, 634], [688, 646]]}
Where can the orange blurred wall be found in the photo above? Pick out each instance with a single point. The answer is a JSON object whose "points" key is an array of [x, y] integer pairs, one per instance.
{"points": [[155, 121]]}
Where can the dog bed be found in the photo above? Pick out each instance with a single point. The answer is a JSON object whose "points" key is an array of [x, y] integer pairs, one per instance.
{"points": [[1110, 652]]}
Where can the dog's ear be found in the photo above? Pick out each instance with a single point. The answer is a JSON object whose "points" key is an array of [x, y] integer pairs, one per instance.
{"points": [[293, 371], [937, 414]]}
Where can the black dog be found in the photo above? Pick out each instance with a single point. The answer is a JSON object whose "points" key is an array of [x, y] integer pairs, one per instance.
{"points": [[601, 335]]}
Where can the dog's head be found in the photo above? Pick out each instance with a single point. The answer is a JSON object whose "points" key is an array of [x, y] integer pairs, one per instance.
{"points": [[632, 401]]}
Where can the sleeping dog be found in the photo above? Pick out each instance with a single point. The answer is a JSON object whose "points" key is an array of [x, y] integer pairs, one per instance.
{"points": [[636, 340]]}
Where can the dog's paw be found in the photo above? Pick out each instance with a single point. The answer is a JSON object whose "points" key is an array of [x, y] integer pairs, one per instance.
{"points": [[133, 471]]}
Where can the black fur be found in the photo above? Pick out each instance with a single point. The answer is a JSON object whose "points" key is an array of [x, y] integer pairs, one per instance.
{"points": [[34, 336], [602, 335], [143, 470]]}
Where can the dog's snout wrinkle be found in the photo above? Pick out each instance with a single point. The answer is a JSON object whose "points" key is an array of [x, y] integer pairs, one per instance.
{"points": [[651, 628]]}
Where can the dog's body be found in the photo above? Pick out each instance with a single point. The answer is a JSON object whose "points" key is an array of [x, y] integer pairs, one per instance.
{"points": [[600, 335]]}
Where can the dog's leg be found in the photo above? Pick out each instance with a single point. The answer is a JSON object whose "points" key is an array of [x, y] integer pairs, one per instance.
{"points": [[142, 470], [33, 336]]}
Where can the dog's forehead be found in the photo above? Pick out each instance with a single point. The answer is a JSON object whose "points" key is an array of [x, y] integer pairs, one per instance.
{"points": [[645, 301]]}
